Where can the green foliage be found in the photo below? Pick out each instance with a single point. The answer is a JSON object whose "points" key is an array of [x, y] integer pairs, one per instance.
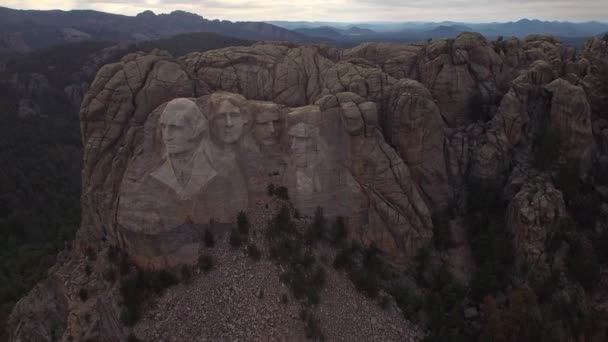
{"points": [[305, 281], [156, 281], [132, 338], [600, 244], [338, 232], [270, 189], [208, 239], [442, 236], [242, 223], [253, 252], [316, 230], [281, 224], [346, 257], [282, 193], [422, 265], [444, 306], [544, 285], [40, 199], [131, 299], [90, 253], [236, 239], [186, 274], [583, 266], [182, 44], [41, 158], [114, 255], [304, 276], [135, 288], [520, 321], [491, 244], [409, 302], [478, 110], [110, 275], [125, 265], [546, 149], [83, 294], [313, 328], [205, 263], [581, 198], [365, 268]]}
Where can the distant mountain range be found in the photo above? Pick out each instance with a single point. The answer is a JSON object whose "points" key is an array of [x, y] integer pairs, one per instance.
{"points": [[28, 30], [416, 31], [519, 28], [23, 31]]}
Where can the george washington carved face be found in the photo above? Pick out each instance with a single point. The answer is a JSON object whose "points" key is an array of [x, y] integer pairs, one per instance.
{"points": [[181, 124]]}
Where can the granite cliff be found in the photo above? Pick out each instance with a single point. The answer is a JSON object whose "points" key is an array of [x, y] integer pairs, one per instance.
{"points": [[394, 138]]}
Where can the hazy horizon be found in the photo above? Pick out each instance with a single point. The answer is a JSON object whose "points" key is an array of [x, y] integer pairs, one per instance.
{"points": [[345, 11]]}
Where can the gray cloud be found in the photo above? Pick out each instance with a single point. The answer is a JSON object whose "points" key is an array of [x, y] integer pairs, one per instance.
{"points": [[347, 10]]}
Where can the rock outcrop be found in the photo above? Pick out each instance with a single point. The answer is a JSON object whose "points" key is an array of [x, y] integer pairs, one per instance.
{"points": [[330, 155], [570, 117], [113, 113], [384, 135], [286, 73], [533, 217], [418, 132]]}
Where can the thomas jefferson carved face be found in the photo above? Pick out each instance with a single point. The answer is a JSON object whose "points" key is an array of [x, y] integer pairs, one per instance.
{"points": [[181, 123], [229, 122]]}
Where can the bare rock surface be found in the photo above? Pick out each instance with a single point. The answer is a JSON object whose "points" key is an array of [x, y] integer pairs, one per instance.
{"points": [[533, 216]]}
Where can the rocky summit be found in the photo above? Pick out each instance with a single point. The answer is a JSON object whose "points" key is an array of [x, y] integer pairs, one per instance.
{"points": [[395, 141]]}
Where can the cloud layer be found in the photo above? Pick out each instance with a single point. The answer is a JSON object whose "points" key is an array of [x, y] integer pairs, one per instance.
{"points": [[345, 10]]}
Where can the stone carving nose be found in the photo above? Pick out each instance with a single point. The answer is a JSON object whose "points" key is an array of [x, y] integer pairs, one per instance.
{"points": [[228, 120], [271, 127]]}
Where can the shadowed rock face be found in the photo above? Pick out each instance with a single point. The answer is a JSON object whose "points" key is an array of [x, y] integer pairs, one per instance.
{"points": [[533, 215]]}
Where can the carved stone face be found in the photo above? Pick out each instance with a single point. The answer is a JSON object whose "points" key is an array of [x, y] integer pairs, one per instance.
{"points": [[303, 145], [266, 129], [181, 123], [228, 122]]}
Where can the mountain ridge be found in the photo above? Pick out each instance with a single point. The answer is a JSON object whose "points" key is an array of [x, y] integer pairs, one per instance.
{"points": [[27, 30]]}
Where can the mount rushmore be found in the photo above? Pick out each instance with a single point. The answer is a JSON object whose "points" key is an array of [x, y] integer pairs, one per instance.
{"points": [[388, 136]]}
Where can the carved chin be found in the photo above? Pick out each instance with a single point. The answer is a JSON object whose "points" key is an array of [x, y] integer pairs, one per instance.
{"points": [[269, 141], [230, 136], [229, 139], [175, 148]]}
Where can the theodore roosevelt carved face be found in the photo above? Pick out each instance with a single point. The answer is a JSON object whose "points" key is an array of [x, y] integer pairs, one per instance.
{"points": [[266, 129]]}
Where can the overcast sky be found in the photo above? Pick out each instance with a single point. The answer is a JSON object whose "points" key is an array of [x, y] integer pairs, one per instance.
{"points": [[345, 10]]}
